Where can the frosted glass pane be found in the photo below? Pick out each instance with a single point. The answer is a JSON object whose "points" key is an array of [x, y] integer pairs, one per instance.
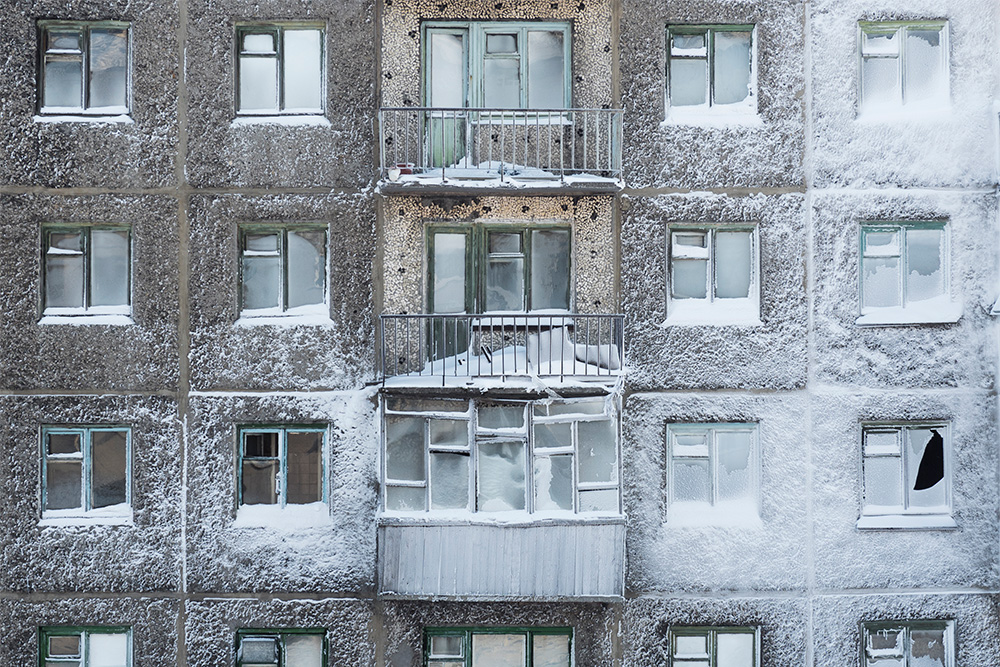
{"points": [[546, 67], [501, 416], [446, 647], [447, 57], [885, 643], [505, 284], [405, 498], [881, 43], [305, 467], [584, 407], [109, 468], [692, 480], [598, 456], [501, 43], [548, 436], [732, 67], [883, 486], [734, 649], [554, 482], [65, 646], [304, 650], [261, 242], [259, 650], [303, 69], [258, 84], [925, 468], [64, 443], [689, 279], [881, 443], [64, 271], [449, 273], [501, 242], [733, 255], [924, 72], [501, 476], [733, 465], [924, 252], [259, 43], [108, 67], [499, 650], [64, 83], [261, 282], [691, 645], [599, 500], [688, 82], [63, 481], [880, 82], [502, 83], [550, 651], [688, 45], [550, 269], [881, 282], [306, 267], [404, 448], [449, 481], [108, 650], [260, 482], [109, 268], [927, 648], [448, 433]]}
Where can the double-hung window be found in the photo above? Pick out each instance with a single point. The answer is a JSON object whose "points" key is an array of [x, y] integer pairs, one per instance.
{"points": [[488, 647], [908, 644], [86, 471], [714, 646], [710, 69], [281, 648], [85, 647], [84, 68], [281, 465], [279, 69], [493, 456], [86, 271], [907, 475], [903, 65], [283, 271], [713, 275]]}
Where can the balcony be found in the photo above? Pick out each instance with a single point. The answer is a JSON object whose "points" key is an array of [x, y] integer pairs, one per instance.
{"points": [[444, 149], [466, 347]]}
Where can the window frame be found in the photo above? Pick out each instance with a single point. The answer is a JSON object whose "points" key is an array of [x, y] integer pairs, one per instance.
{"points": [[282, 483], [84, 632], [86, 470], [468, 631], [711, 633], [278, 30], [907, 627], [280, 634], [84, 28], [747, 107], [900, 28], [86, 232], [282, 230]]}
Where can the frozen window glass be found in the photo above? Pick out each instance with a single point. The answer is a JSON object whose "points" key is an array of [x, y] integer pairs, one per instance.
{"points": [[713, 646], [86, 471], [281, 465], [283, 271], [903, 65], [710, 67], [712, 466], [86, 271], [84, 68], [85, 647], [281, 648], [906, 468], [904, 265], [498, 647], [279, 70], [908, 644], [713, 270]]}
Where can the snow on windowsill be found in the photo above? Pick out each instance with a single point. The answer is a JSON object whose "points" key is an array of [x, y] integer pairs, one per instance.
{"points": [[121, 119], [697, 312], [895, 115], [932, 311], [508, 518], [907, 522], [113, 515], [310, 316], [88, 320], [733, 514], [714, 116], [289, 120], [287, 518]]}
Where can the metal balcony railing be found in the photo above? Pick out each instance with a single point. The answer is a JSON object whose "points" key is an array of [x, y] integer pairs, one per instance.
{"points": [[500, 143], [471, 346]]}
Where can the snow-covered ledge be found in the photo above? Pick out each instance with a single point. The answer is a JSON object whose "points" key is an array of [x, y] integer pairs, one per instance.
{"points": [[289, 121], [120, 119], [113, 515], [932, 311], [907, 522], [287, 518]]}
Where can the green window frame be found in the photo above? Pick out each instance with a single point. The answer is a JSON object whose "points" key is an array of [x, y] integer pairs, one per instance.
{"points": [[696, 466], [458, 646], [900, 642], [890, 452], [284, 77], [86, 270], [57, 648], [894, 59], [69, 460], [494, 52], [283, 270], [699, 646], [267, 468], [84, 68], [286, 647], [702, 53], [903, 245], [727, 257]]}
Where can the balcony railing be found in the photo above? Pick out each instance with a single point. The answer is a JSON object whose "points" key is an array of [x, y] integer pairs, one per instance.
{"points": [[472, 346], [537, 144]]}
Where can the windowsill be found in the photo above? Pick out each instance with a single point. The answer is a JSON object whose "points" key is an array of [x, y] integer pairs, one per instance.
{"points": [[891, 115], [295, 317], [88, 319], [119, 119], [116, 515], [930, 312], [704, 515], [315, 120], [696, 312], [465, 518], [907, 522], [716, 116], [287, 518]]}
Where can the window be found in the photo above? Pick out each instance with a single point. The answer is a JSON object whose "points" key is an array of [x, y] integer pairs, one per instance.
{"points": [[497, 65], [904, 65], [714, 647], [281, 648], [485, 647], [493, 456], [499, 268], [907, 475], [85, 647], [283, 271], [710, 68], [909, 644], [713, 275], [86, 471], [86, 271], [84, 68], [279, 70], [904, 274], [712, 473], [281, 465]]}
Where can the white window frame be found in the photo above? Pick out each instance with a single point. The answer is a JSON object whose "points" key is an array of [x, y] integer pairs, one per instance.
{"points": [[900, 28], [904, 515], [696, 113], [281, 482], [712, 310], [871, 657], [310, 310], [86, 234], [111, 514], [711, 633], [84, 29], [84, 633], [278, 31]]}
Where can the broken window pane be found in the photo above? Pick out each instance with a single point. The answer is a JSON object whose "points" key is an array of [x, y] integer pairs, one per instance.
{"points": [[108, 67], [924, 252], [260, 482], [305, 467], [597, 450], [109, 468], [302, 69], [63, 485], [688, 82], [550, 651], [554, 482], [489, 650], [546, 76], [733, 255], [925, 468], [449, 273], [449, 480], [404, 448], [501, 483], [107, 650], [109, 268], [550, 275], [304, 650], [731, 67]]}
